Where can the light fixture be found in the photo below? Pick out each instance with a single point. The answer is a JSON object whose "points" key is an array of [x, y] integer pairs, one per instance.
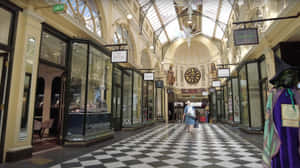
{"points": [[151, 47], [189, 21], [129, 16]]}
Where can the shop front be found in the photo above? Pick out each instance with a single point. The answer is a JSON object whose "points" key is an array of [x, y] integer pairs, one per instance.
{"points": [[9, 18], [127, 98], [213, 104], [148, 101], [159, 92], [251, 101], [88, 93], [220, 104]]}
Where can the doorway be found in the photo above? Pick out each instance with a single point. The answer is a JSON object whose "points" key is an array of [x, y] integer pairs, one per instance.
{"points": [[117, 121], [3, 71], [48, 120]]}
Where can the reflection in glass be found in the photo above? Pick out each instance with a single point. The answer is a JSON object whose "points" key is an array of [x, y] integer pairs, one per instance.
{"points": [[5, 17], [243, 97], [98, 116], [53, 49], [236, 100], [137, 97], [226, 102], [150, 100], [29, 55], [127, 97], [77, 89], [254, 95], [230, 108]]}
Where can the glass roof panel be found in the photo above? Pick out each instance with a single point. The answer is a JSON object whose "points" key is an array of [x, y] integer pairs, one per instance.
{"points": [[208, 26], [225, 11], [219, 33], [163, 38], [153, 18], [173, 30]]}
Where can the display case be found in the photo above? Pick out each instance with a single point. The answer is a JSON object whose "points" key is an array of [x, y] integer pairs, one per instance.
{"points": [[89, 92]]}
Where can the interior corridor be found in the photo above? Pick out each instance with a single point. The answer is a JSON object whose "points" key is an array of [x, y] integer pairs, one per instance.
{"points": [[170, 146]]}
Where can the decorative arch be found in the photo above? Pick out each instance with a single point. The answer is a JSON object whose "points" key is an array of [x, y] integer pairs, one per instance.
{"points": [[122, 34], [87, 13], [213, 49]]}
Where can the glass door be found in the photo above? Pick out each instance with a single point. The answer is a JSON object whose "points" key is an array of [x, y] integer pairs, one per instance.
{"points": [[3, 70], [117, 108]]}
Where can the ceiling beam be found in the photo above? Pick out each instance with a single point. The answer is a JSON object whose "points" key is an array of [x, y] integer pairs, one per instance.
{"points": [[217, 17], [161, 21]]}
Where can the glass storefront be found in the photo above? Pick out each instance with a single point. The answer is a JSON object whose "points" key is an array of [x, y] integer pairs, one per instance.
{"points": [[229, 101], [137, 98], [127, 98], [236, 100], [226, 115], [89, 92], [148, 101], [244, 97], [250, 96], [159, 103]]}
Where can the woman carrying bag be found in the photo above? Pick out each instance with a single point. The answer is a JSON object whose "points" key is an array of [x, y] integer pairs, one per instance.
{"points": [[189, 116]]}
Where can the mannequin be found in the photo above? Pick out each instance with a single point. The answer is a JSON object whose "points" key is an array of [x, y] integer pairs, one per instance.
{"points": [[282, 141]]}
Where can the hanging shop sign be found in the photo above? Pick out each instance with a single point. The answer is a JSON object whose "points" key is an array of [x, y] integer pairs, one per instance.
{"points": [[59, 8], [216, 83], [159, 84], [178, 104], [148, 76], [205, 93], [223, 72], [212, 90], [196, 104], [119, 56], [248, 36]]}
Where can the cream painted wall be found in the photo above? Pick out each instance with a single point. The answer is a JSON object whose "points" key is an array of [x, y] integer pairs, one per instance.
{"points": [[202, 52], [28, 26]]}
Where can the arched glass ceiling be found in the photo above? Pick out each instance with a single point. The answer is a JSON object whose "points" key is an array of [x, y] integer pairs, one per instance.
{"points": [[164, 19]]}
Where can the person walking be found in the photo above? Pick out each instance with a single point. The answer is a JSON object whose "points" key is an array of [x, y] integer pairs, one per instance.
{"points": [[189, 116]]}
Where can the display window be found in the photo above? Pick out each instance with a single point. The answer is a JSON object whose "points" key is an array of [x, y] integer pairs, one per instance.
{"points": [[250, 96], [127, 98], [230, 101], [89, 112], [244, 97], [148, 101], [137, 98], [236, 100]]}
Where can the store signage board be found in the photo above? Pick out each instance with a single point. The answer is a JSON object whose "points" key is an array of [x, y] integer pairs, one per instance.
{"points": [[119, 56], [196, 104], [159, 84], [149, 76], [205, 93], [192, 91], [178, 104], [216, 84], [223, 72], [248, 36], [59, 8]]}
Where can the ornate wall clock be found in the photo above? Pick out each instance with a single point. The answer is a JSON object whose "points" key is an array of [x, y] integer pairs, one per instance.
{"points": [[192, 75]]}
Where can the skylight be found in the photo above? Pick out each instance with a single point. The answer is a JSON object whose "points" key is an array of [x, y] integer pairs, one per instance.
{"points": [[163, 18]]}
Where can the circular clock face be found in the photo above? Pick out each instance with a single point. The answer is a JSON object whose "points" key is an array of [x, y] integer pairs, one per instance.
{"points": [[192, 75]]}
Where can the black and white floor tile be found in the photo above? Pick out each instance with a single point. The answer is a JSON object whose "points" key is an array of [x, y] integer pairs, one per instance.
{"points": [[170, 146]]}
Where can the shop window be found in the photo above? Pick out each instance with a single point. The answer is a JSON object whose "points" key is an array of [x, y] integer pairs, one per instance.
{"points": [[29, 58], [53, 49], [97, 110], [254, 95], [89, 114], [244, 97], [86, 13], [236, 100], [5, 17], [127, 97], [77, 89], [137, 97]]}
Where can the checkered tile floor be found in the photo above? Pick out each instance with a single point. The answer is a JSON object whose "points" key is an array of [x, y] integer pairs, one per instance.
{"points": [[170, 146]]}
